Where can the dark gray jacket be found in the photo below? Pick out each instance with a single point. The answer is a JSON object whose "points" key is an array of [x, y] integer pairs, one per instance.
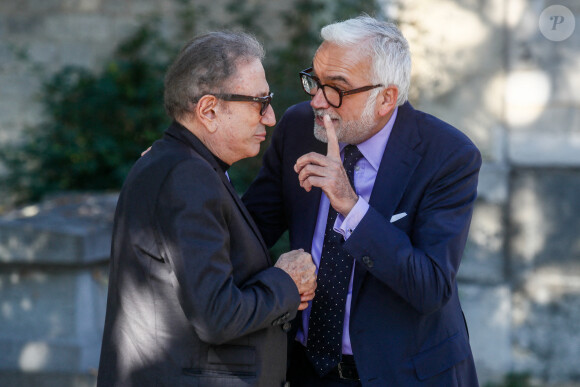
{"points": [[193, 297]]}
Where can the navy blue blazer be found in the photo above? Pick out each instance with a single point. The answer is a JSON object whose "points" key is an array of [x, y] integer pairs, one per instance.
{"points": [[407, 327]]}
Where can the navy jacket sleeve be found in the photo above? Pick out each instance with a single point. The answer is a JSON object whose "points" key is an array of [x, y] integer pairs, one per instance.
{"points": [[421, 263]]}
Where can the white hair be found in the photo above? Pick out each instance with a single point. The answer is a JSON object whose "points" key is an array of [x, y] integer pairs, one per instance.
{"points": [[389, 50]]}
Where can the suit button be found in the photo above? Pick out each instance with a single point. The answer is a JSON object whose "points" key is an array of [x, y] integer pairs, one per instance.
{"points": [[368, 261], [286, 327]]}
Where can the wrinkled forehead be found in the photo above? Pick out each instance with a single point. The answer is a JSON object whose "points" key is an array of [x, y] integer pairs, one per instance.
{"points": [[249, 78], [333, 62]]}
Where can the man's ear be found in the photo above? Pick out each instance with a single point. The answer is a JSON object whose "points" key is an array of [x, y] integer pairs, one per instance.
{"points": [[388, 100], [206, 110]]}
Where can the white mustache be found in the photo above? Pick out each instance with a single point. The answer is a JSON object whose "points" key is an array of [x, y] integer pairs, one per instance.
{"points": [[321, 113]]}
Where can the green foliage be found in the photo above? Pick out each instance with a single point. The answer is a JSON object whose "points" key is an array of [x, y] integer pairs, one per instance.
{"points": [[346, 9], [97, 124]]}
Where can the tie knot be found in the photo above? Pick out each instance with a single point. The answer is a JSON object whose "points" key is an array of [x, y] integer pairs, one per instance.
{"points": [[351, 156]]}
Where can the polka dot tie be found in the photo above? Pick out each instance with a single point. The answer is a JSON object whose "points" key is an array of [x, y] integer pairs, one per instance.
{"points": [[324, 346]]}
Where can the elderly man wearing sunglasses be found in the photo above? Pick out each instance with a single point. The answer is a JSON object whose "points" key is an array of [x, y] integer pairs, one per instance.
{"points": [[194, 298]]}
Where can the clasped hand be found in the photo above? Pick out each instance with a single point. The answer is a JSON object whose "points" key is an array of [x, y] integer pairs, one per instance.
{"points": [[298, 264]]}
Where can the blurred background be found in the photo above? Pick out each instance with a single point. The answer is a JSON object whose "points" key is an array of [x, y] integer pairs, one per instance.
{"points": [[81, 96]]}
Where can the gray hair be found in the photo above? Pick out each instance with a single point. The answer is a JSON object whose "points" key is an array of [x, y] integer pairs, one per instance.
{"points": [[204, 66], [389, 50]]}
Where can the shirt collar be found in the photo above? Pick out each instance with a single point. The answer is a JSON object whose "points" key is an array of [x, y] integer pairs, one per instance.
{"points": [[196, 142], [223, 165], [374, 148]]}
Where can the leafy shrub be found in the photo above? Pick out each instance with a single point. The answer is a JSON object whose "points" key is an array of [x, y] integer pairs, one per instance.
{"points": [[96, 125]]}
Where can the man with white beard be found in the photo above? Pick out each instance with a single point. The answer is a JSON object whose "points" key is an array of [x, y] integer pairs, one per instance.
{"points": [[381, 195]]}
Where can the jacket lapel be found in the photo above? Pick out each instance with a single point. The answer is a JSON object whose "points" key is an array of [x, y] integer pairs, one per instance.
{"points": [[246, 215], [397, 166], [306, 221]]}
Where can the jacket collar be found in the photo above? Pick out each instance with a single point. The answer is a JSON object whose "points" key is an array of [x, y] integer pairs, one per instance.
{"points": [[182, 134]]}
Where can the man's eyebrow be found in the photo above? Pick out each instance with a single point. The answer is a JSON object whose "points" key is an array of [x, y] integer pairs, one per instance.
{"points": [[339, 78], [333, 78], [261, 94]]}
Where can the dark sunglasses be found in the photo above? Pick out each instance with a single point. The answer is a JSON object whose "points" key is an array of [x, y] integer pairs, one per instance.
{"points": [[265, 101]]}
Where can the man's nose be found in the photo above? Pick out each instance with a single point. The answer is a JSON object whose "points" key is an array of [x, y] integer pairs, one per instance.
{"points": [[319, 100], [269, 118]]}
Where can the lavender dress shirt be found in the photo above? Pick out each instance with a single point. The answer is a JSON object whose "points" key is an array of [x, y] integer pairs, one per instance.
{"points": [[365, 173]]}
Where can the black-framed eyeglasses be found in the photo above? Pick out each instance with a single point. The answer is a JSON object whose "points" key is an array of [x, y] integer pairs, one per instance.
{"points": [[265, 100], [333, 95]]}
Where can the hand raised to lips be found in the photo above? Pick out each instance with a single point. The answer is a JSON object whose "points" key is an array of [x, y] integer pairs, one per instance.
{"points": [[327, 173]]}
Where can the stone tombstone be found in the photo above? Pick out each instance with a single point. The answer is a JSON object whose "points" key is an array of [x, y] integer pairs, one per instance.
{"points": [[53, 288]]}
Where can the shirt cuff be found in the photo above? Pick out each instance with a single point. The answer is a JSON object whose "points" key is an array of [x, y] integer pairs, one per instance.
{"points": [[345, 226]]}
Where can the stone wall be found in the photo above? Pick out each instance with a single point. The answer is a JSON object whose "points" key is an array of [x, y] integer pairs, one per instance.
{"points": [[485, 66], [38, 38], [53, 288], [482, 65]]}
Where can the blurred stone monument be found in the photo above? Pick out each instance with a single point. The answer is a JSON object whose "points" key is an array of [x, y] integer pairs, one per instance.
{"points": [[53, 286]]}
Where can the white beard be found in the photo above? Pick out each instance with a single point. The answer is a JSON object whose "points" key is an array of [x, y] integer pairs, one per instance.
{"points": [[349, 132]]}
